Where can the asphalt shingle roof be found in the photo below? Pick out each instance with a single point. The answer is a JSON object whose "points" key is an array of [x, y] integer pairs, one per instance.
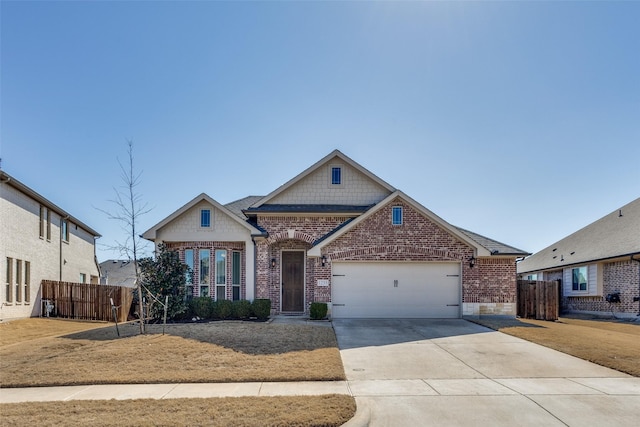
{"points": [[614, 235], [240, 206], [495, 247], [237, 206]]}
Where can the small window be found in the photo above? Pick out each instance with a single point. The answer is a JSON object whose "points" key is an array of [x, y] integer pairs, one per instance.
{"points": [[336, 175], [204, 266], [396, 215], [83, 278], [235, 275], [45, 222], [27, 281], [42, 218], [221, 274], [188, 260], [205, 255], [188, 276], [18, 280], [64, 230], [235, 268], [205, 218], [9, 290], [579, 279]]}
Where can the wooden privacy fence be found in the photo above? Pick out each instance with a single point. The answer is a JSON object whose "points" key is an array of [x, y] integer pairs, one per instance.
{"points": [[84, 301], [538, 299]]}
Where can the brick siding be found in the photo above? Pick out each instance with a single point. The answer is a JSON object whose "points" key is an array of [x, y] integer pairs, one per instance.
{"points": [[377, 239], [620, 276]]}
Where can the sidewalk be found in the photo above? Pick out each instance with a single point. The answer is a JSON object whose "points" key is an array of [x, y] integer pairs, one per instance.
{"points": [[171, 391]]}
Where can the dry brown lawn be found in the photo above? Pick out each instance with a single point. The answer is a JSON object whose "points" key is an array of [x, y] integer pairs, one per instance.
{"points": [[615, 345], [326, 411], [49, 352], [57, 352]]}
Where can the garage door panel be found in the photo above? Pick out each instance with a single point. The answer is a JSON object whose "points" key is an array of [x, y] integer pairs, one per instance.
{"points": [[392, 289]]}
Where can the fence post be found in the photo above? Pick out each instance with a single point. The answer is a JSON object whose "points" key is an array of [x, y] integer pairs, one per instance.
{"points": [[115, 315]]}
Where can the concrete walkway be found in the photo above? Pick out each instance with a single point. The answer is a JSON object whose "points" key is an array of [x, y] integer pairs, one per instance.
{"points": [[170, 391], [457, 373]]}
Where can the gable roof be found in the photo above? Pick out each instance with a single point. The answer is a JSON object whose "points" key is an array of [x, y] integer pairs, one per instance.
{"points": [[495, 247], [150, 234], [345, 227], [9, 180], [325, 160], [612, 236], [237, 206]]}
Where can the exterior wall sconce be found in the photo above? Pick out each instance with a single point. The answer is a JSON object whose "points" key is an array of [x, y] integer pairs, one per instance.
{"points": [[324, 260], [472, 262], [273, 263]]}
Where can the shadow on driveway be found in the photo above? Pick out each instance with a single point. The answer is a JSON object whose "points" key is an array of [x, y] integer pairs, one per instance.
{"points": [[355, 333]]}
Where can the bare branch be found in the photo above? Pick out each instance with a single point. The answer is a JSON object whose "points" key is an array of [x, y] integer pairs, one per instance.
{"points": [[128, 208]]}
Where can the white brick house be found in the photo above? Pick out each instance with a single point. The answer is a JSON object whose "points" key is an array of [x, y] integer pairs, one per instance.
{"points": [[39, 241], [337, 233]]}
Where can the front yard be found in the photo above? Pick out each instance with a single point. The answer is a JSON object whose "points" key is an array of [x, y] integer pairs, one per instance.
{"points": [[615, 345], [50, 352], [194, 353]]}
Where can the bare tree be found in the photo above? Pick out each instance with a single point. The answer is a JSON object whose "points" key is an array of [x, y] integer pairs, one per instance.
{"points": [[129, 208]]}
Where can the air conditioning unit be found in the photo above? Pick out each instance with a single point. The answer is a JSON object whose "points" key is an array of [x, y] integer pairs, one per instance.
{"points": [[48, 307]]}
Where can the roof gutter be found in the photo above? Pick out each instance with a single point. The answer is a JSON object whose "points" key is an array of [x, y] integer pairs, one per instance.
{"points": [[6, 178], [555, 267]]}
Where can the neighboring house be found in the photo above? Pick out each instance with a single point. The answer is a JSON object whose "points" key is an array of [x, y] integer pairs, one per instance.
{"points": [[601, 259], [39, 241], [117, 272], [337, 233]]}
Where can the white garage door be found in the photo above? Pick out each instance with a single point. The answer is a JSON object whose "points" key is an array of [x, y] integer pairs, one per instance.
{"points": [[396, 290]]}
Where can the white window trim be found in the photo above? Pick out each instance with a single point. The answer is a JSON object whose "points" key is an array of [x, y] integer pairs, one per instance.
{"points": [[27, 282], [594, 281], [8, 298], [189, 279], [237, 284], [64, 230], [223, 284], [330, 176], [208, 276], [210, 218], [393, 208]]}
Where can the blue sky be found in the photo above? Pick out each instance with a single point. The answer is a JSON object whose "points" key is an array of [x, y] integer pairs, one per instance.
{"points": [[517, 120]]}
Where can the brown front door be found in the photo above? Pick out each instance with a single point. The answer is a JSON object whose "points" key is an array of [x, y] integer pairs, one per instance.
{"points": [[293, 281]]}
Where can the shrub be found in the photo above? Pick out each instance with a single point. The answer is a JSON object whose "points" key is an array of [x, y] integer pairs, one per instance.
{"points": [[261, 308], [223, 309], [163, 277], [188, 314], [241, 309], [202, 307], [318, 310]]}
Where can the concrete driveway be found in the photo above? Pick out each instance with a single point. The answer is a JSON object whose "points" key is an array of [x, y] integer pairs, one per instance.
{"points": [[457, 373]]}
